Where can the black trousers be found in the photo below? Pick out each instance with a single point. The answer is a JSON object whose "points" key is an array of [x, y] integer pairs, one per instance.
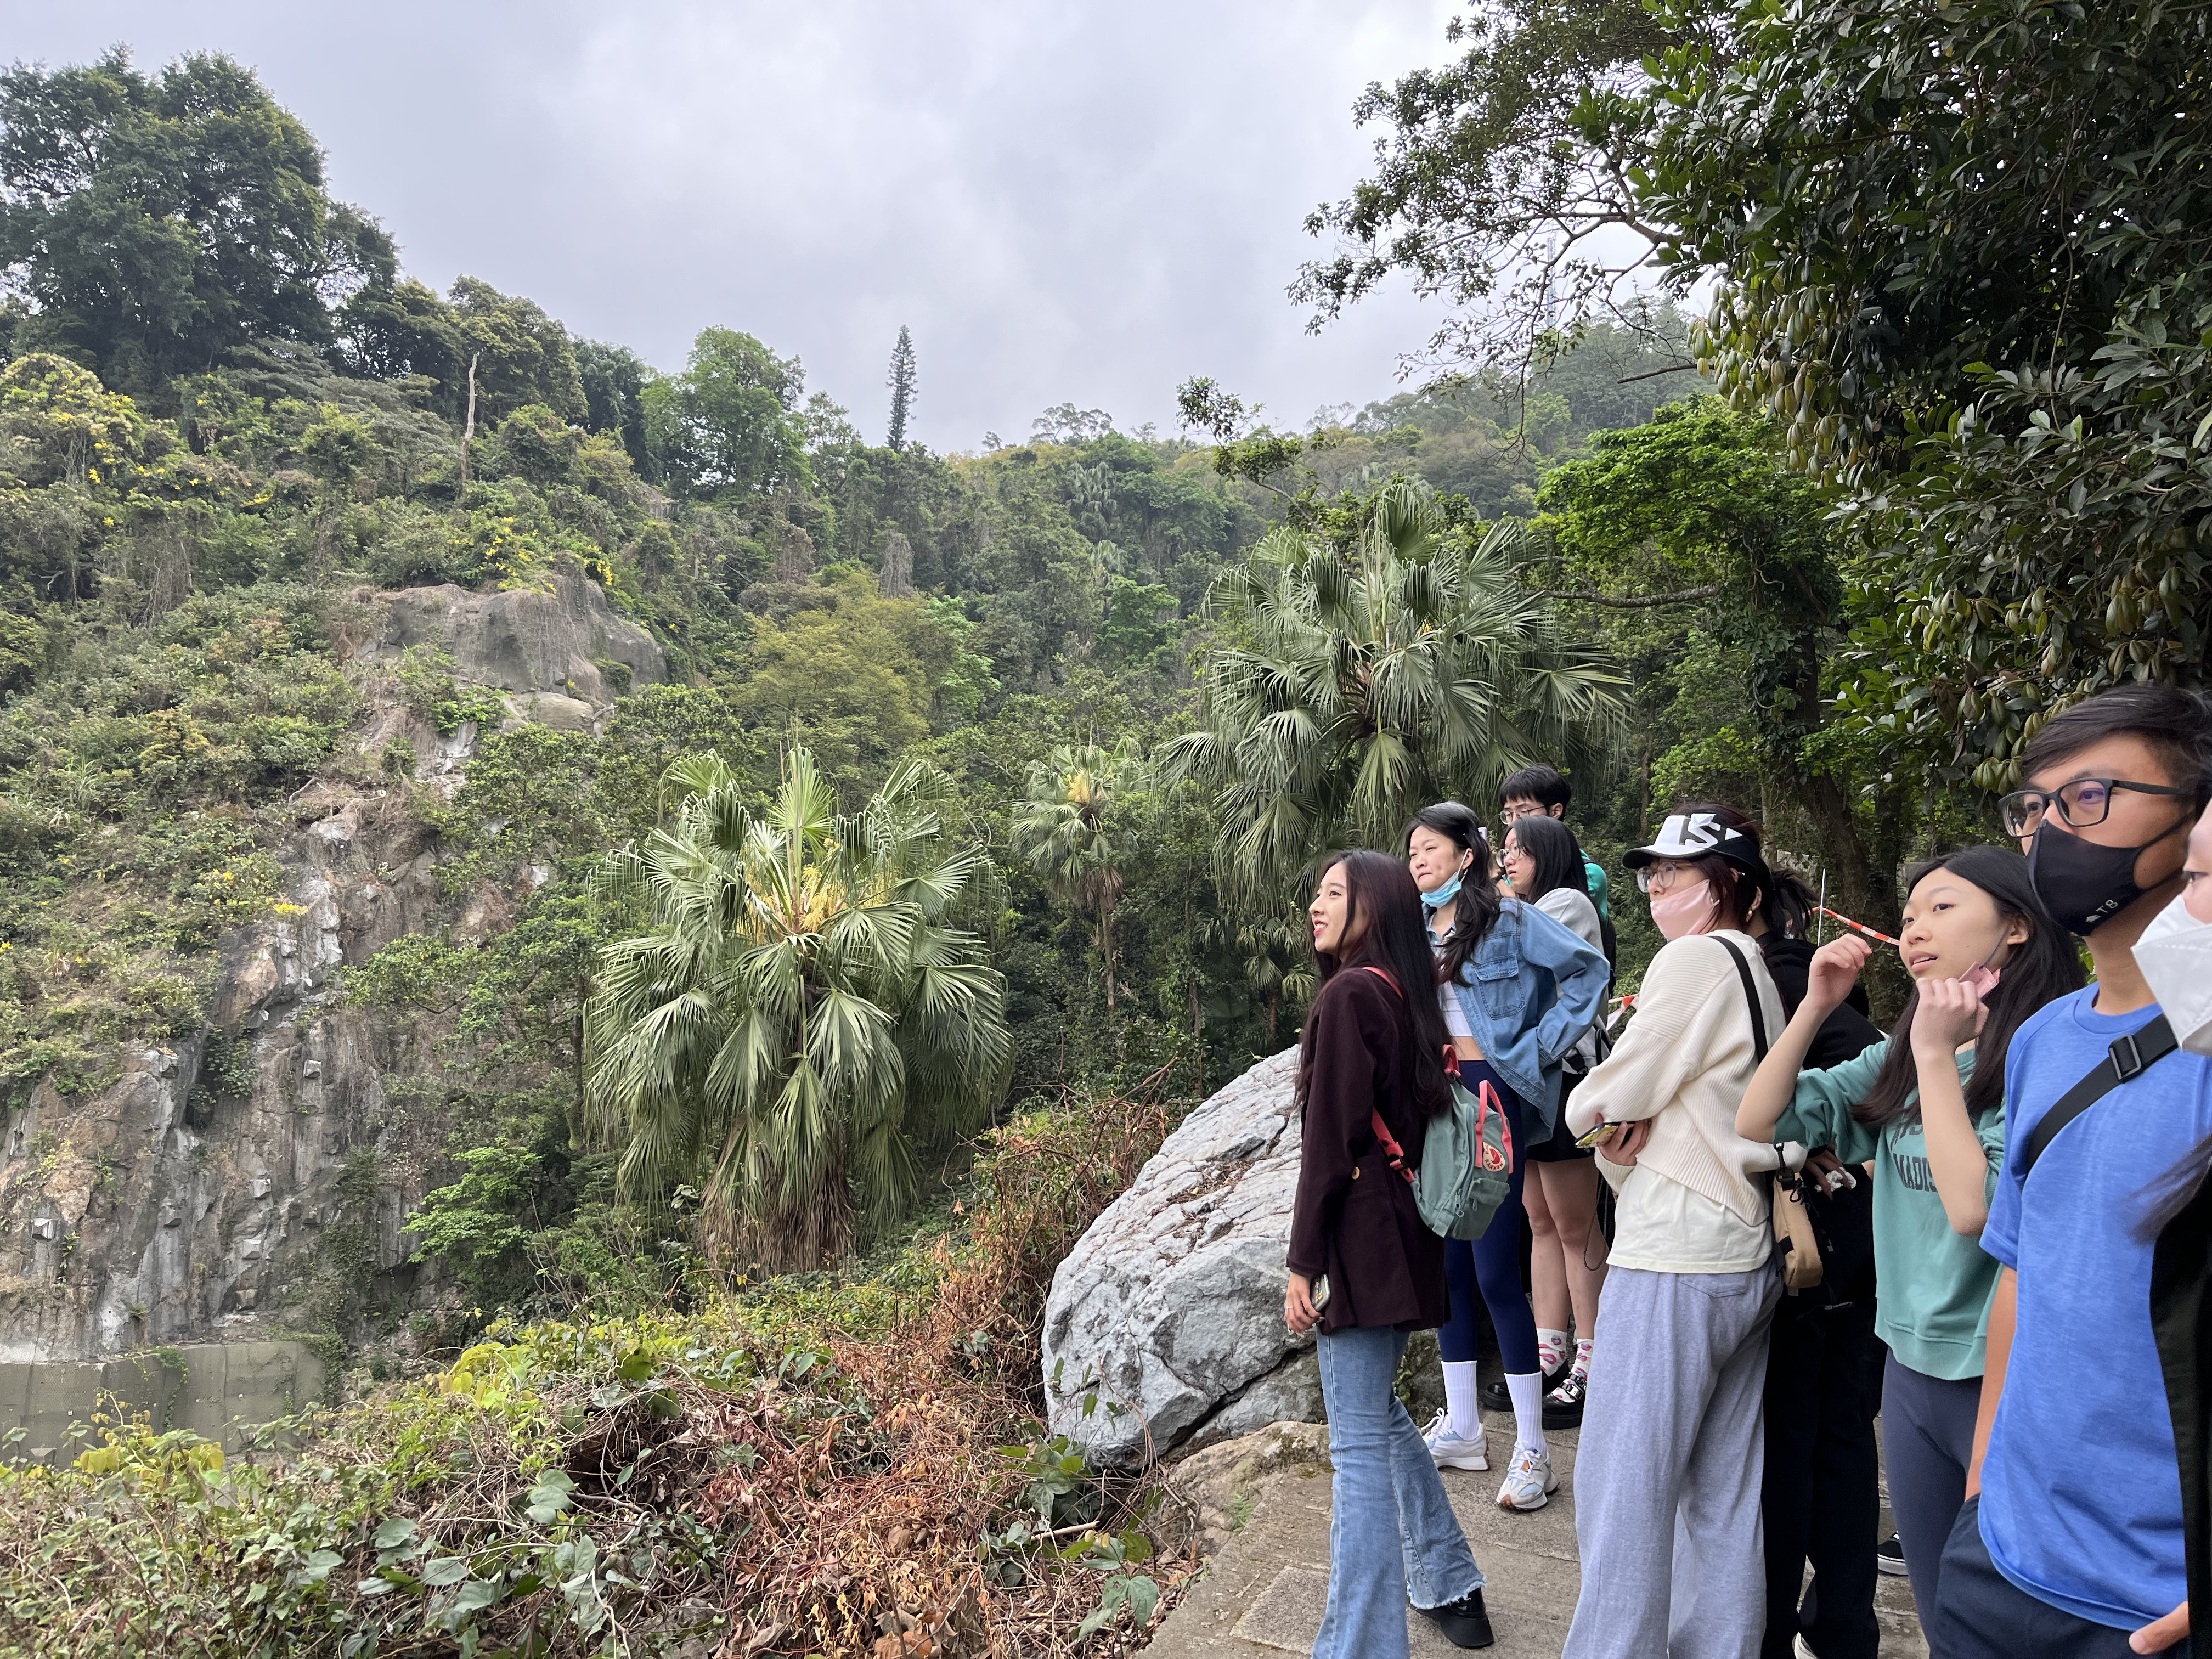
{"points": [[1982, 1614], [1820, 1499]]}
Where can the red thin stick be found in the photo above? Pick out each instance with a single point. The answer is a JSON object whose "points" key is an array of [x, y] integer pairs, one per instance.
{"points": [[1871, 933]]}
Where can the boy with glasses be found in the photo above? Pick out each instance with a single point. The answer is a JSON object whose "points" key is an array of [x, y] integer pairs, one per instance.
{"points": [[2072, 1535], [1542, 792]]}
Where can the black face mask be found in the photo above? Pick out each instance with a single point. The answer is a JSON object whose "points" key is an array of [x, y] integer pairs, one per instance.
{"points": [[2084, 886]]}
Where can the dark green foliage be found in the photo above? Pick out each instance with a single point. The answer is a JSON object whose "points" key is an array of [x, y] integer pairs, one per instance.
{"points": [[155, 223], [404, 331], [614, 380], [1493, 193], [1989, 331], [1698, 503], [727, 424], [903, 387]]}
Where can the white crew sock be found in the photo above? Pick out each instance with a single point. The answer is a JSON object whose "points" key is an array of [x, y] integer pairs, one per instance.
{"points": [[1550, 1349], [1582, 1358], [1462, 1420], [1527, 1393]]}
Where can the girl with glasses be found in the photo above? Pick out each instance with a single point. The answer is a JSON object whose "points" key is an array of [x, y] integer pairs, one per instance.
{"points": [[1667, 1494], [1566, 1265]]}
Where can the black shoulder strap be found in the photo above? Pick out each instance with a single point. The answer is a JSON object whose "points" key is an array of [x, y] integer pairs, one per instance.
{"points": [[1750, 995], [2130, 1056]]}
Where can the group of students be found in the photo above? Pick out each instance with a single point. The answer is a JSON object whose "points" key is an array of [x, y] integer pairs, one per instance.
{"points": [[2035, 1347]]}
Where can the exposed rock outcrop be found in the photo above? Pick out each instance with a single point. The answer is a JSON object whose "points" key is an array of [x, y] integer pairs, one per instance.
{"points": [[567, 642], [184, 1200], [1166, 1320], [221, 1176]]}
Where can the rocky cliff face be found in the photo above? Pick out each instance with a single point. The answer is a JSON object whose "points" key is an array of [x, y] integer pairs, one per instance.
{"points": [[197, 1194]]}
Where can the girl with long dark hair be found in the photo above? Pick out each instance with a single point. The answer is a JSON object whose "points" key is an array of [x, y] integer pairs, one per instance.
{"points": [[1543, 865], [1927, 1106], [1371, 1060], [1517, 992]]}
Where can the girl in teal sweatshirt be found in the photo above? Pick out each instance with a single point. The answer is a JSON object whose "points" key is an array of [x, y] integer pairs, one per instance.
{"points": [[1926, 1107]]}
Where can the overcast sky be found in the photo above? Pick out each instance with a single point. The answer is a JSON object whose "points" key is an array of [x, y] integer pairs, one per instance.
{"points": [[1079, 203]]}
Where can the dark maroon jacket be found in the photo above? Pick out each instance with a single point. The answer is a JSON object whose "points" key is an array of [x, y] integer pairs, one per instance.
{"points": [[1355, 1221]]}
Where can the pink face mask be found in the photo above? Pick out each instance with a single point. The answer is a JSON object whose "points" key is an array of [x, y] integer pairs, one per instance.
{"points": [[1685, 911]]}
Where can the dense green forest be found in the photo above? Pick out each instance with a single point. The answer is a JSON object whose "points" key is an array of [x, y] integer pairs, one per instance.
{"points": [[215, 460], [1095, 700]]}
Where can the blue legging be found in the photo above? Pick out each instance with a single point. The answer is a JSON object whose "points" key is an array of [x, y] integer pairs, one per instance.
{"points": [[1494, 1260]]}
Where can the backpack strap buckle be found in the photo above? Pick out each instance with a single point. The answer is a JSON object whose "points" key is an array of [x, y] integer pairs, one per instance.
{"points": [[2128, 1058]]}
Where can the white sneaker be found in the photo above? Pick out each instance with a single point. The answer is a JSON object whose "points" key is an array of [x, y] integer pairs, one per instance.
{"points": [[1802, 1648], [1450, 1452], [1530, 1483]]}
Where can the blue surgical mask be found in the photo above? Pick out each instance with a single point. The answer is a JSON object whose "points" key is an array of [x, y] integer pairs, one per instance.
{"points": [[1443, 894]]}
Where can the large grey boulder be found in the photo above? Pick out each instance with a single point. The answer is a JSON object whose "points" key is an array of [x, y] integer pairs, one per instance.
{"points": [[1166, 1319]]}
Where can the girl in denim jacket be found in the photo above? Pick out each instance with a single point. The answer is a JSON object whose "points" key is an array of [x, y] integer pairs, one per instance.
{"points": [[1518, 991]]}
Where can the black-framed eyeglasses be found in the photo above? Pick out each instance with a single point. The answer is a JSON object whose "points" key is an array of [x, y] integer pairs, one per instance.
{"points": [[2083, 802]]}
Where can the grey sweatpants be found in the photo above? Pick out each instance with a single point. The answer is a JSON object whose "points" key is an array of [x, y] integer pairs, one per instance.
{"points": [[1667, 1476]]}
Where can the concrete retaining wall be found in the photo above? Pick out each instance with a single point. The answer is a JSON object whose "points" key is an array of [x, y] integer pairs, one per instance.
{"points": [[216, 1389]]}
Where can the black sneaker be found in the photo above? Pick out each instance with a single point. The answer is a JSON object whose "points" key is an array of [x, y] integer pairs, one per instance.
{"points": [[1889, 1556], [1496, 1397], [1563, 1407], [1465, 1623]]}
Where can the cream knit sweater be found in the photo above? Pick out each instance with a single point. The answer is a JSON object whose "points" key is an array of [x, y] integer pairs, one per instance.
{"points": [[1684, 1062]]}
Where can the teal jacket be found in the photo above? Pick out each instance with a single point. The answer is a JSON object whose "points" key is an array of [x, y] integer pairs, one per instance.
{"points": [[1933, 1286], [1595, 872], [1529, 991]]}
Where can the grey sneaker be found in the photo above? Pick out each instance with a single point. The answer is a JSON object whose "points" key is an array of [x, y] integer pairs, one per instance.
{"points": [[1530, 1483], [1450, 1452]]}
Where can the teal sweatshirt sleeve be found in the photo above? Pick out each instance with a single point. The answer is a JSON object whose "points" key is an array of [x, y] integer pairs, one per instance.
{"points": [[1820, 1113]]}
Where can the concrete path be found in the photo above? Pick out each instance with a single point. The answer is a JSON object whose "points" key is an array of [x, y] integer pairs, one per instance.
{"points": [[1263, 1595]]}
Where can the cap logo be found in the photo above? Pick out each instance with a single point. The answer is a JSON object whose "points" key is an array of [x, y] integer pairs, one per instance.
{"points": [[1691, 832]]}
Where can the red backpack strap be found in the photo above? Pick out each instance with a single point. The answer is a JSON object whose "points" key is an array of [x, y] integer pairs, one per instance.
{"points": [[1391, 1149]]}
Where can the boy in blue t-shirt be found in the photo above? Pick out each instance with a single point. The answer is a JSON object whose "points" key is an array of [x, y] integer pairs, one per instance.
{"points": [[2071, 1539]]}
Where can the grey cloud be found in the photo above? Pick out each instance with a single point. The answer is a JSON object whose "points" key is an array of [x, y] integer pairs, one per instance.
{"points": [[1081, 204]]}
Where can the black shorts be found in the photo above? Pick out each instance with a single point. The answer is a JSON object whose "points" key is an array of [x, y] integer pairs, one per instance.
{"points": [[1560, 1146]]}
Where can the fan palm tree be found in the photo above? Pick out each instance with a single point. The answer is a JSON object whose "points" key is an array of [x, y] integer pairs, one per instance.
{"points": [[800, 1011], [1277, 954], [1368, 682], [1062, 831]]}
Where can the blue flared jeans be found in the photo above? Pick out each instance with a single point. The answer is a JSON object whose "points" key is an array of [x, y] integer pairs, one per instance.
{"points": [[1386, 1487]]}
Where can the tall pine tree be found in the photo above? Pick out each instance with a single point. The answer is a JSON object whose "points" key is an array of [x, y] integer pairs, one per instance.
{"points": [[903, 387]]}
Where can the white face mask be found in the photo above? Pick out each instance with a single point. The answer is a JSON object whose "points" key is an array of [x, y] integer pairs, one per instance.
{"points": [[2175, 955]]}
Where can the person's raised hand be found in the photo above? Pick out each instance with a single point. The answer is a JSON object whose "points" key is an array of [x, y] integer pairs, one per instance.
{"points": [[1298, 1311], [2167, 1632], [1835, 969], [1950, 1014]]}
